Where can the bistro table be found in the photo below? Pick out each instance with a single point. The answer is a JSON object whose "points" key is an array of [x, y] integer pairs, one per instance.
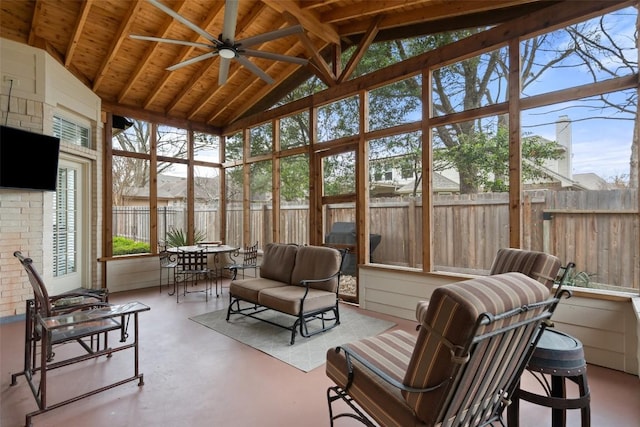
{"points": [[216, 263]]}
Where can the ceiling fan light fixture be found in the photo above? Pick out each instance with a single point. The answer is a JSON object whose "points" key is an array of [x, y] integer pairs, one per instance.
{"points": [[227, 53]]}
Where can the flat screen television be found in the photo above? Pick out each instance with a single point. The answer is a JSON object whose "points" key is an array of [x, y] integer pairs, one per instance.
{"points": [[28, 160]]}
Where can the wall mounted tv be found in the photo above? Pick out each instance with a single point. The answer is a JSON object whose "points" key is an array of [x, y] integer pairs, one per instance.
{"points": [[28, 160]]}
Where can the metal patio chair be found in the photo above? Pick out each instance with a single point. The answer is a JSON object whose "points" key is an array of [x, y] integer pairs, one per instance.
{"points": [[475, 338]]}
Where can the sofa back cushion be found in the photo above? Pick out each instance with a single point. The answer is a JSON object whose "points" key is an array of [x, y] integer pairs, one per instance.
{"points": [[277, 262], [540, 266], [317, 262]]}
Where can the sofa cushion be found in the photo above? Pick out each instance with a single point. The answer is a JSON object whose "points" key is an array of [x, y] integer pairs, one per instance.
{"points": [[277, 262], [287, 299], [317, 262], [248, 289]]}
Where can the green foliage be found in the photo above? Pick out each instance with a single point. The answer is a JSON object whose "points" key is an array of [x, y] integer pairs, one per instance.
{"points": [[177, 237], [580, 279], [485, 155], [125, 246]]}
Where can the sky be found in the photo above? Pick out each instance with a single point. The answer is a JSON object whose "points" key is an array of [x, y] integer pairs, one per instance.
{"points": [[602, 143]]}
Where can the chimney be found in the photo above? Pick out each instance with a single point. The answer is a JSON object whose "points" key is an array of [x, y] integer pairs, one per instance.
{"points": [[563, 137]]}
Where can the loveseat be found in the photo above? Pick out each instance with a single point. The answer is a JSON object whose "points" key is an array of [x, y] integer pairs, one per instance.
{"points": [[300, 281]]}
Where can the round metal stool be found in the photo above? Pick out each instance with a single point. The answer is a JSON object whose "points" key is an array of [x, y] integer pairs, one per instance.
{"points": [[559, 356]]}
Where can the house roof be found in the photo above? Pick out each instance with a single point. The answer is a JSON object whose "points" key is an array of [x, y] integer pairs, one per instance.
{"points": [[92, 40]]}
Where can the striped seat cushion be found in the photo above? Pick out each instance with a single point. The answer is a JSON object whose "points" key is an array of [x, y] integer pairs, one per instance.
{"points": [[540, 266], [390, 352]]}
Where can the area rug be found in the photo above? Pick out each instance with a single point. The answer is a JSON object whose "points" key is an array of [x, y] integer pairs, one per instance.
{"points": [[307, 353]]}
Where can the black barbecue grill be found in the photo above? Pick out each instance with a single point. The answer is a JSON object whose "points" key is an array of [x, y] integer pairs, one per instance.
{"points": [[344, 233]]}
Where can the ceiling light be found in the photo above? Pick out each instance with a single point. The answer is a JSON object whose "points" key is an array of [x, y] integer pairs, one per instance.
{"points": [[227, 53]]}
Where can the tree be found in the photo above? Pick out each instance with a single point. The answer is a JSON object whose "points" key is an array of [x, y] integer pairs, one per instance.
{"points": [[601, 52]]}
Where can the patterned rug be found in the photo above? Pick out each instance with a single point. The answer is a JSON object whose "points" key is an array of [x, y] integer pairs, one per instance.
{"points": [[307, 353]]}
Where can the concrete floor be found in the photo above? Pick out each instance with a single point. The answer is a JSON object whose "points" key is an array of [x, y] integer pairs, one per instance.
{"points": [[197, 377]]}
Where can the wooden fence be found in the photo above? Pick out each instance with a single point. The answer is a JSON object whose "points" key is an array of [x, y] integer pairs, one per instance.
{"points": [[598, 230]]}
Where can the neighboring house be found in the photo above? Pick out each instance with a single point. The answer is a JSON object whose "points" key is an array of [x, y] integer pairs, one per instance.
{"points": [[557, 173], [172, 191]]}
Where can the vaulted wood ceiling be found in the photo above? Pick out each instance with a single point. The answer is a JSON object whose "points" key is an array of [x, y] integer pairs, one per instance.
{"points": [[91, 38]]}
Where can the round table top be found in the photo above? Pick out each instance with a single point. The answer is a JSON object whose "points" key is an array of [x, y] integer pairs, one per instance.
{"points": [[208, 248], [558, 353]]}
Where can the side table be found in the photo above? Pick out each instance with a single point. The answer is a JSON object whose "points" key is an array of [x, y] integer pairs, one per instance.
{"points": [[557, 357]]}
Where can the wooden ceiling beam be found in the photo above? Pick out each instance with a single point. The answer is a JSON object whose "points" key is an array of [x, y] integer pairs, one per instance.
{"points": [[35, 20], [318, 64], [77, 31], [121, 34], [155, 117], [360, 50], [360, 10], [308, 19], [430, 12]]}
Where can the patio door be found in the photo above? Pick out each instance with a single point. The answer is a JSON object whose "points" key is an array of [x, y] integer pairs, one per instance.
{"points": [[337, 181], [70, 208]]}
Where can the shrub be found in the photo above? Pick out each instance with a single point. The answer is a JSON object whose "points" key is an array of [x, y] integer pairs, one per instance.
{"points": [[177, 237], [125, 246]]}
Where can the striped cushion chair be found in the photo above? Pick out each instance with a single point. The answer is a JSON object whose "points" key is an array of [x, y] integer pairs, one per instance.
{"points": [[540, 266], [474, 340]]}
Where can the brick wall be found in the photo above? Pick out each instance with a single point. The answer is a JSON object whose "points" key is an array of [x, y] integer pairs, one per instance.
{"points": [[21, 215]]}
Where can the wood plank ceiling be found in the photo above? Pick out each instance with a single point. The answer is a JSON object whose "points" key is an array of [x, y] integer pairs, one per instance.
{"points": [[91, 39]]}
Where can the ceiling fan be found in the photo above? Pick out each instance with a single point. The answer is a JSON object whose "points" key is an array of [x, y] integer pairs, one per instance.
{"points": [[225, 46]]}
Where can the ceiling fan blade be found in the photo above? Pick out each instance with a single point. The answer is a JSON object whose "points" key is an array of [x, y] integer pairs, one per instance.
{"points": [[192, 60], [272, 35], [174, 41], [255, 69], [184, 21], [230, 19], [224, 70], [274, 56]]}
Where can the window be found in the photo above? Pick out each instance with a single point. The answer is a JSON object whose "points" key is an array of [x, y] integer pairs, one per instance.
{"points": [[338, 120], [475, 82], [395, 104], [65, 223], [294, 131], [395, 206], [261, 139], [294, 199], [70, 132]]}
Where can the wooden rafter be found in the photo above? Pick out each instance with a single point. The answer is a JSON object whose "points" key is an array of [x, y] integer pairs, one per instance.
{"points": [[308, 19], [360, 50], [35, 19], [122, 33], [77, 31]]}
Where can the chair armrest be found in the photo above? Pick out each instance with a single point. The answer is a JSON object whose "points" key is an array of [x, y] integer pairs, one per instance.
{"points": [[307, 282], [373, 369]]}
